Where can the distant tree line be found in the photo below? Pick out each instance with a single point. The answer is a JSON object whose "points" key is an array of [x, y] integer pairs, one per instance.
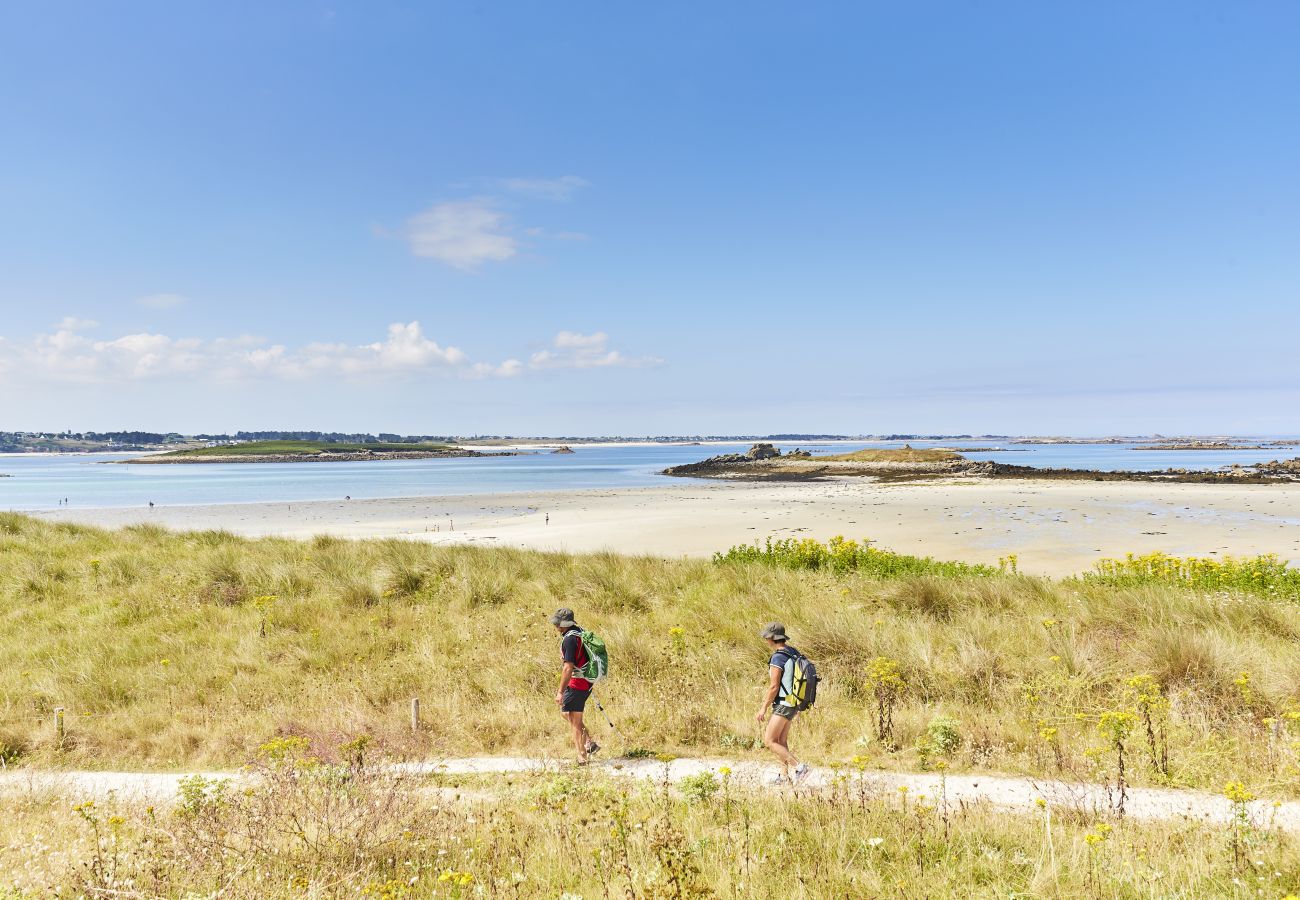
{"points": [[115, 437]]}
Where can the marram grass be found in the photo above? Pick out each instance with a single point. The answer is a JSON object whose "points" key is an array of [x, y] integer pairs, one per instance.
{"points": [[182, 650]]}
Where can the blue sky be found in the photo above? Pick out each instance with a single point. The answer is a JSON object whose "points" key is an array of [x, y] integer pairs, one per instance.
{"points": [[596, 218]]}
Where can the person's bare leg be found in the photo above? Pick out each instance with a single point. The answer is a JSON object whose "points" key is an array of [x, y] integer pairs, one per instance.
{"points": [[579, 735], [778, 730]]}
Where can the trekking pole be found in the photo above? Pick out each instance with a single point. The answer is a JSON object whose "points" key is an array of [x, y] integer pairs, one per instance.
{"points": [[607, 719]]}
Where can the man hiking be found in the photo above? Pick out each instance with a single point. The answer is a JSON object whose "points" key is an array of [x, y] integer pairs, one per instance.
{"points": [[780, 670], [574, 691]]}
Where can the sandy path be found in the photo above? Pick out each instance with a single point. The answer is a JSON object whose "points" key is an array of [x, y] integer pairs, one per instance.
{"points": [[1055, 527], [1016, 794]]}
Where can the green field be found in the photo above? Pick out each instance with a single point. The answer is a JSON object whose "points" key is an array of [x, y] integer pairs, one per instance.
{"points": [[310, 448]]}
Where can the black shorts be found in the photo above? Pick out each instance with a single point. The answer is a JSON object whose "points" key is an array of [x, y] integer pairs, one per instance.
{"points": [[574, 700]]}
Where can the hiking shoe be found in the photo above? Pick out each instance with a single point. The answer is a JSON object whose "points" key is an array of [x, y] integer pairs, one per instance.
{"points": [[801, 773], [778, 779], [592, 747]]}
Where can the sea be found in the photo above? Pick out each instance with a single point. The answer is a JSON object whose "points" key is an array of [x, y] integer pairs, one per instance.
{"points": [[88, 481]]}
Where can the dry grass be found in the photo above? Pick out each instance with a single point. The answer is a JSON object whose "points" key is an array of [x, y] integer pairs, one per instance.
{"points": [[903, 455], [309, 830], [185, 650]]}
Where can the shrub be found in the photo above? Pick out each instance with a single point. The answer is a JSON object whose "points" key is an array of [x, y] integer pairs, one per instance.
{"points": [[840, 555], [699, 788], [1265, 575]]}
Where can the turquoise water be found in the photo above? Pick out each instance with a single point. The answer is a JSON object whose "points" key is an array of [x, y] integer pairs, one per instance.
{"points": [[40, 482]]}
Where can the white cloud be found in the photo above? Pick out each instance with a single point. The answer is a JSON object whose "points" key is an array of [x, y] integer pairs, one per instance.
{"points": [[558, 189], [66, 355], [162, 301], [463, 234], [574, 350], [469, 232]]}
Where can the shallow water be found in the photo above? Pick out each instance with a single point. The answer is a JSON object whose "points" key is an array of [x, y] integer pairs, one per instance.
{"points": [[41, 481]]}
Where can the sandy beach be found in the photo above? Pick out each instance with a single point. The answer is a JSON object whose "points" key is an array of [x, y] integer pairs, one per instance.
{"points": [[1055, 528]]}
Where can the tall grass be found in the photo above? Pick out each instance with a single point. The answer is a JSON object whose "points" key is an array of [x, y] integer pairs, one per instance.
{"points": [[192, 649], [307, 828]]}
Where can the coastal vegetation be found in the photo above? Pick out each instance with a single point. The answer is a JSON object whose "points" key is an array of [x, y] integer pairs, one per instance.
{"points": [[308, 827], [896, 455], [1265, 575], [192, 649], [840, 555], [208, 650]]}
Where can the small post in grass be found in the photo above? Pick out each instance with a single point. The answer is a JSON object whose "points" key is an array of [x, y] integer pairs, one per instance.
{"points": [[415, 713], [58, 725]]}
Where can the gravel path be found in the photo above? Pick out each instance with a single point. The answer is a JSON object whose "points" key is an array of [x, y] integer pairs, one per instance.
{"points": [[959, 789]]}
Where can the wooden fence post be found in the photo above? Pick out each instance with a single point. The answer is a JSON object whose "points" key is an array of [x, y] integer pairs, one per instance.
{"points": [[415, 713], [58, 725]]}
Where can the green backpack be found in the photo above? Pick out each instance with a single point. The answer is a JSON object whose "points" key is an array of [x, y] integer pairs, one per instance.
{"points": [[597, 666]]}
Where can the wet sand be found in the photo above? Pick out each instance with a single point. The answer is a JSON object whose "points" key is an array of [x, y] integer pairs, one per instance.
{"points": [[1054, 528]]}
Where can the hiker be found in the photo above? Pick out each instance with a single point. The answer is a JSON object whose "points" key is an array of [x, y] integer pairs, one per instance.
{"points": [[574, 691], [781, 674]]}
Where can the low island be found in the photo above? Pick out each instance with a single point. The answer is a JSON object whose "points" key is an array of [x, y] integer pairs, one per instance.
{"points": [[308, 451], [764, 462]]}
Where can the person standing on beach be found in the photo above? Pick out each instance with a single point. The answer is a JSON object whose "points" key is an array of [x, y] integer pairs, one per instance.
{"points": [[780, 671], [574, 691]]}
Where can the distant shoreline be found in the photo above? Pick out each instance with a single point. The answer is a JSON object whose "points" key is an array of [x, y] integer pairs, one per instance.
{"points": [[326, 457]]}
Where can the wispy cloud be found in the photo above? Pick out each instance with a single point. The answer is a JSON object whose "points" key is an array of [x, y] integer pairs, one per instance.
{"points": [[466, 233], [69, 355], [162, 301], [463, 234], [573, 350], [558, 189]]}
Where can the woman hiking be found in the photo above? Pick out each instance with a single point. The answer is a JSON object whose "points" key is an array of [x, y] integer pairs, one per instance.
{"points": [[780, 671]]}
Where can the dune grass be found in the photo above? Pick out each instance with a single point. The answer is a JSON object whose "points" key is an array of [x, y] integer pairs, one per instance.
{"points": [[899, 455], [304, 829], [310, 448], [179, 650]]}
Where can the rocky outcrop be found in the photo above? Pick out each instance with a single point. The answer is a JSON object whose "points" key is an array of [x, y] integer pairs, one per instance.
{"points": [[762, 451], [565, 449], [1280, 467]]}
